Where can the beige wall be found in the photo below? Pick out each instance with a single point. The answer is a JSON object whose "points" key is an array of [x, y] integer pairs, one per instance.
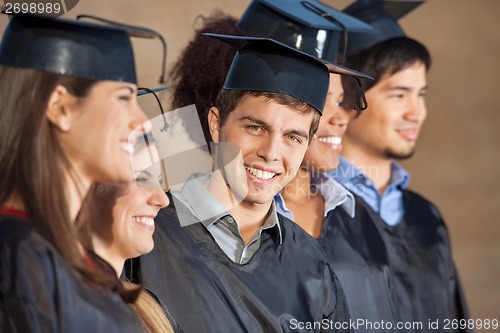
{"points": [[459, 147]]}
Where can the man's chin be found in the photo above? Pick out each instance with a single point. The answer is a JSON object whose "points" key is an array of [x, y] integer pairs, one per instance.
{"points": [[400, 155], [260, 198]]}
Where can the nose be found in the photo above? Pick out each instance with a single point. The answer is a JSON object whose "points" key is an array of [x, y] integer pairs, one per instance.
{"points": [[416, 111], [339, 117], [158, 198], [137, 117], [334, 113], [269, 149]]}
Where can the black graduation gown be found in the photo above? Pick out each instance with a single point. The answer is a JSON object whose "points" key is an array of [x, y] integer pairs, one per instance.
{"points": [[403, 273], [278, 290], [40, 293]]}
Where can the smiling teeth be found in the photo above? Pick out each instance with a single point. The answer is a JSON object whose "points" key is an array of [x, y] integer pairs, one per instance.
{"points": [[335, 140], [128, 147], [260, 173], [145, 220]]}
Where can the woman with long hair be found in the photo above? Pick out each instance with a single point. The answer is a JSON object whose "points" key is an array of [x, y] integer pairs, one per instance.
{"points": [[68, 104], [122, 224]]}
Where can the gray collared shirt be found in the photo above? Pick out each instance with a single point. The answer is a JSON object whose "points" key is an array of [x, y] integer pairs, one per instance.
{"points": [[217, 220]]}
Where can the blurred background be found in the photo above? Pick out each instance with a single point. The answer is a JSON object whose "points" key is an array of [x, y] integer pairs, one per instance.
{"points": [[459, 147]]}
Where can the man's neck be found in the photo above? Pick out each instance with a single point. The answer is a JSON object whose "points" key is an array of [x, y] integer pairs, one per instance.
{"points": [[375, 167], [249, 216]]}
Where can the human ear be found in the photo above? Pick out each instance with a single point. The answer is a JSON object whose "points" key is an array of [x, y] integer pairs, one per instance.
{"points": [[58, 109], [214, 123]]}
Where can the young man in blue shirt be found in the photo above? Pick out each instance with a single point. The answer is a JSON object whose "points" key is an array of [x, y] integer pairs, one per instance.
{"points": [[404, 247]]}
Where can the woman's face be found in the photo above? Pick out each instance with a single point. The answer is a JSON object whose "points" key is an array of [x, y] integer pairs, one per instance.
{"points": [[133, 217], [97, 142], [129, 231], [324, 150]]}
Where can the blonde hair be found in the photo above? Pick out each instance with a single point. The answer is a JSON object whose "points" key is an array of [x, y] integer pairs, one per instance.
{"points": [[150, 312]]}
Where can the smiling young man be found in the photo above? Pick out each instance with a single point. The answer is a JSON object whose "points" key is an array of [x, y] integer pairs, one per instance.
{"points": [[401, 255], [224, 259], [273, 132], [317, 29], [389, 130]]}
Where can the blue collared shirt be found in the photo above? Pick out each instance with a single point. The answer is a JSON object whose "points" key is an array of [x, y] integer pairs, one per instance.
{"points": [[335, 195], [389, 205], [217, 220]]}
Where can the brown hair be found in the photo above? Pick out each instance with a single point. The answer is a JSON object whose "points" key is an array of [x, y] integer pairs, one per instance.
{"points": [[200, 71], [33, 164], [98, 210], [228, 100], [382, 59]]}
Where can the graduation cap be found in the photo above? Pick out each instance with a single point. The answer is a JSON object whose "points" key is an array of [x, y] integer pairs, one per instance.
{"points": [[264, 64], [69, 47], [307, 25], [383, 16]]}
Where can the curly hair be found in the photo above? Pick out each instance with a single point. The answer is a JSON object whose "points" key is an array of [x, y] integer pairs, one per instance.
{"points": [[200, 71]]}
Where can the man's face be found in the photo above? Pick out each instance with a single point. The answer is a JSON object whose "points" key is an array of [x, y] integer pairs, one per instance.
{"points": [[389, 127], [273, 139]]}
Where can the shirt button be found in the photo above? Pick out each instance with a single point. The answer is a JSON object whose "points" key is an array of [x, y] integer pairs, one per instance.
{"points": [[230, 220]]}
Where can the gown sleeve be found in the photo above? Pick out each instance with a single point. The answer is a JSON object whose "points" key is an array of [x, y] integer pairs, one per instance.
{"points": [[30, 284], [40, 293]]}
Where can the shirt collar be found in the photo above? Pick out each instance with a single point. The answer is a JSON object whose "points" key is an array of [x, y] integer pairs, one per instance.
{"points": [[347, 172], [273, 221], [399, 176], [202, 204], [335, 195], [279, 202]]}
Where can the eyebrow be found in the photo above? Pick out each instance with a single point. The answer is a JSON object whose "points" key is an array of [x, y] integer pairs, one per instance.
{"points": [[404, 88], [269, 127], [132, 90], [299, 133], [143, 172]]}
